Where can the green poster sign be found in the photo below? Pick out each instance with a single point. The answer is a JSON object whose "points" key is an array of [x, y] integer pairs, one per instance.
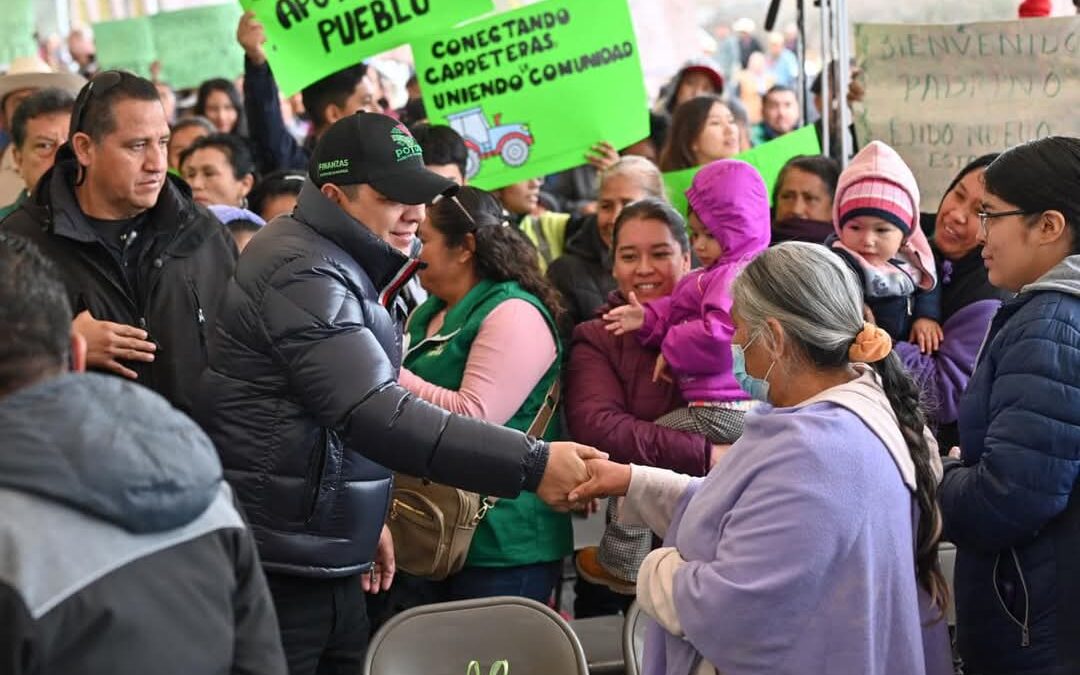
{"points": [[198, 44], [767, 158], [17, 27], [307, 40], [531, 90], [127, 44]]}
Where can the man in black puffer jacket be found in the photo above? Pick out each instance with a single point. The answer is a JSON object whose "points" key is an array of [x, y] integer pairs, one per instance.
{"points": [[143, 264], [302, 401]]}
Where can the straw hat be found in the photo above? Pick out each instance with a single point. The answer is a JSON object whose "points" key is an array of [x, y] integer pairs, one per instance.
{"points": [[30, 72]]}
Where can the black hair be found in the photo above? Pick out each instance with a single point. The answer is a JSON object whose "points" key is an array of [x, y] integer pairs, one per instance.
{"points": [[777, 88], [441, 145], [1040, 176], [235, 149], [414, 112], [686, 125], [35, 313], [42, 102], [93, 111], [658, 130], [335, 88], [502, 252], [229, 89], [825, 168], [653, 208], [276, 184], [975, 164]]}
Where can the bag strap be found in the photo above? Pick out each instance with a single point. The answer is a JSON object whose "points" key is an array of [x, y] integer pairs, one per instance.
{"points": [[543, 416], [537, 429]]}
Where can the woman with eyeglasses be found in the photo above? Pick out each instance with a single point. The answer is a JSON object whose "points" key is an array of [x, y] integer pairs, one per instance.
{"points": [[968, 302], [486, 344], [1010, 500]]}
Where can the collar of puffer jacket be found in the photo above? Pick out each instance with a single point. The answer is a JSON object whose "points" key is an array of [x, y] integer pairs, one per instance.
{"points": [[387, 267]]}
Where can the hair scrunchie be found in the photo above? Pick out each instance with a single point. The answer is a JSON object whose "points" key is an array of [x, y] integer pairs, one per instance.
{"points": [[872, 344]]}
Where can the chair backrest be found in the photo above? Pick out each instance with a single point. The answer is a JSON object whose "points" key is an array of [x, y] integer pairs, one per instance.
{"points": [[633, 639], [445, 638]]}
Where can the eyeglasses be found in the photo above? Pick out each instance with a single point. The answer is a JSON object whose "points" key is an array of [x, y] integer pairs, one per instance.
{"points": [[101, 83], [986, 216]]}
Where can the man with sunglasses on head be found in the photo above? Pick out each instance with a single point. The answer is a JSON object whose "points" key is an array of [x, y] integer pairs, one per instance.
{"points": [[143, 264], [302, 401]]}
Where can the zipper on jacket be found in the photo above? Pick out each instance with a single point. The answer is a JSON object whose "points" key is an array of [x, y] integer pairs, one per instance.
{"points": [[1024, 625], [200, 317]]}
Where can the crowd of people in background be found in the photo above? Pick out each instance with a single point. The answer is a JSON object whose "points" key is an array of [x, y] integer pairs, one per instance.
{"points": [[791, 399]]}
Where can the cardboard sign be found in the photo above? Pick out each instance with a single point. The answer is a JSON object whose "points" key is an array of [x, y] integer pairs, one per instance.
{"points": [[531, 90], [198, 44], [306, 40], [17, 27], [767, 158], [193, 45], [944, 95], [127, 44]]}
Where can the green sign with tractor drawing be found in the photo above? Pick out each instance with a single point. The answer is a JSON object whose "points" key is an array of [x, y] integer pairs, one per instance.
{"points": [[533, 89]]}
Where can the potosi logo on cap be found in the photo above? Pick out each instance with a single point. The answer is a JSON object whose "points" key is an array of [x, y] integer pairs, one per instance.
{"points": [[406, 145]]}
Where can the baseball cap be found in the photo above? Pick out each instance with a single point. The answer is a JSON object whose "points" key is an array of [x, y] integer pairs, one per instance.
{"points": [[377, 150]]}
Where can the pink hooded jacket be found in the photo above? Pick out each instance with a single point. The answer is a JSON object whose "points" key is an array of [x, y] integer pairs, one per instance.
{"points": [[692, 327], [878, 160]]}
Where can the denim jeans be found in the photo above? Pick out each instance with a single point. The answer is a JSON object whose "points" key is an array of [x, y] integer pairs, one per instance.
{"points": [[528, 581], [535, 581]]}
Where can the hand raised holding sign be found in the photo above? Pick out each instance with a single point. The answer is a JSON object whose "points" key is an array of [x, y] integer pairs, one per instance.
{"points": [[252, 36]]}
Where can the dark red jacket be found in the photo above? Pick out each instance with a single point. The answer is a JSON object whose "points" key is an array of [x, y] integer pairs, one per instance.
{"points": [[611, 401]]}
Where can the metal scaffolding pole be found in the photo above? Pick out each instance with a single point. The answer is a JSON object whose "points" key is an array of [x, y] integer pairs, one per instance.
{"points": [[843, 78], [826, 99]]}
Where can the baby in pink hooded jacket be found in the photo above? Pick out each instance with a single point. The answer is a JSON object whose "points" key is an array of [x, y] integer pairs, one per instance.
{"points": [[876, 216], [730, 224]]}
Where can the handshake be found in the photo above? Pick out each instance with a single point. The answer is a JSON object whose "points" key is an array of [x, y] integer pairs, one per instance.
{"points": [[577, 474]]}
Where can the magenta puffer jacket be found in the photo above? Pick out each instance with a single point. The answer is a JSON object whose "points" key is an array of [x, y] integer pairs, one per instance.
{"points": [[692, 327]]}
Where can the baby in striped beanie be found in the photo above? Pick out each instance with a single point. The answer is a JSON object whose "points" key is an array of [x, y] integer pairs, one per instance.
{"points": [[876, 218]]}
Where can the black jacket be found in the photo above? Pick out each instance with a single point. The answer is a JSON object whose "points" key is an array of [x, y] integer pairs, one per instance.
{"points": [[120, 550], [583, 273], [184, 256], [301, 396], [275, 148]]}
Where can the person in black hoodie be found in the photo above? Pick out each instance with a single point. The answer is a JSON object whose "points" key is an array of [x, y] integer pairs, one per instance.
{"points": [[302, 399], [583, 273], [143, 264], [120, 550]]}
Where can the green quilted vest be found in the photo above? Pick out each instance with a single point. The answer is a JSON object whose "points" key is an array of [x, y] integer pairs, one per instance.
{"points": [[519, 531]]}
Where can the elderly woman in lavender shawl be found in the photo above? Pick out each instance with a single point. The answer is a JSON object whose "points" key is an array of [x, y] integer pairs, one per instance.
{"points": [[811, 546]]}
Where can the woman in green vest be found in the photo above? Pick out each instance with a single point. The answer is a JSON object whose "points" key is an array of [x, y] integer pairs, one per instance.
{"points": [[486, 344]]}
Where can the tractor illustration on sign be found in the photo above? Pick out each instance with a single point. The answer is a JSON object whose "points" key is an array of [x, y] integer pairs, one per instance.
{"points": [[509, 141]]}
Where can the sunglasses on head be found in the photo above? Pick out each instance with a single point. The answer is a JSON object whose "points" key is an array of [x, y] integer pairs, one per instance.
{"points": [[461, 207], [100, 84]]}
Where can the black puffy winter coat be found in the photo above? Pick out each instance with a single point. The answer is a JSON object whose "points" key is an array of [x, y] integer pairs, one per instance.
{"points": [[301, 396], [184, 256]]}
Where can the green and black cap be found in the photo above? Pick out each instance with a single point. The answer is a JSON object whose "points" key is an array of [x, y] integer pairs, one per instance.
{"points": [[377, 150]]}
